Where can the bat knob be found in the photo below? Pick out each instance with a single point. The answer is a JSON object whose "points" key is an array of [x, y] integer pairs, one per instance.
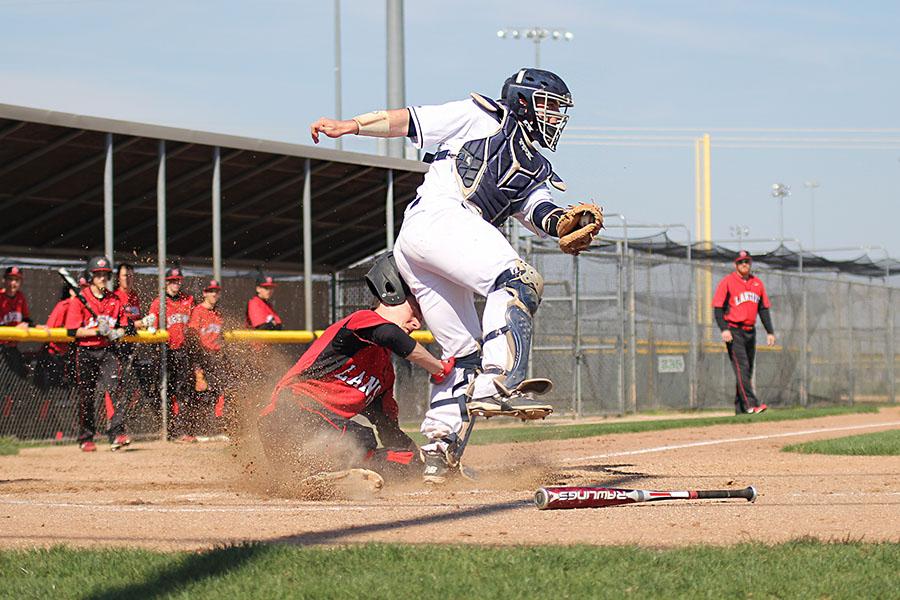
{"points": [[753, 494]]}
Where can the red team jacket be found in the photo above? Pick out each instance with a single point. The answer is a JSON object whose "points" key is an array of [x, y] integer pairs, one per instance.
{"points": [[342, 384], [12, 311], [131, 303], [208, 325], [260, 312], [178, 314], [741, 298], [107, 308], [57, 318]]}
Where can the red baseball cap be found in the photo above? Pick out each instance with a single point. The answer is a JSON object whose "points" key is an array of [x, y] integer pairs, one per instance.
{"points": [[743, 255], [212, 286], [265, 281], [13, 272]]}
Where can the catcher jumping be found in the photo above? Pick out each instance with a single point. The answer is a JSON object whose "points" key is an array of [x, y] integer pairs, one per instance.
{"points": [[487, 167]]}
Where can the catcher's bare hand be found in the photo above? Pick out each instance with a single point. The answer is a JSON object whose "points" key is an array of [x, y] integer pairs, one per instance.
{"points": [[332, 128], [578, 227], [726, 336]]}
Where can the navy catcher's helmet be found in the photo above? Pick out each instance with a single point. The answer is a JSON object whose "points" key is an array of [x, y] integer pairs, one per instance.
{"points": [[539, 100], [384, 281]]}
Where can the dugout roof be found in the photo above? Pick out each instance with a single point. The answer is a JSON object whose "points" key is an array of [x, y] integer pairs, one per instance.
{"points": [[52, 184]]}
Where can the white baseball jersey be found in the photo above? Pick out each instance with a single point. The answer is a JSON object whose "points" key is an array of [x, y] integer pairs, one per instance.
{"points": [[446, 253]]}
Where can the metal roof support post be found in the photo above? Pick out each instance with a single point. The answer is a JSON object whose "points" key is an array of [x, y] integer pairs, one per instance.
{"points": [[108, 248], [217, 214], [632, 334], [307, 247], [396, 68], [161, 283], [389, 210], [620, 354]]}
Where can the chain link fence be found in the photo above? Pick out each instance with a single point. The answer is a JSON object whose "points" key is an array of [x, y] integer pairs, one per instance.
{"points": [[617, 332]]}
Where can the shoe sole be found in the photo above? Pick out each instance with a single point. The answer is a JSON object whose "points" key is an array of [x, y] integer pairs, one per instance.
{"points": [[526, 414]]}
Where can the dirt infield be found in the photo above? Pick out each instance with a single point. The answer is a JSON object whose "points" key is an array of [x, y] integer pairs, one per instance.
{"points": [[170, 496]]}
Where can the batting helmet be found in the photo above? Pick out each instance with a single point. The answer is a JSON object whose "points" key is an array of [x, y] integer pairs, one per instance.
{"points": [[539, 100], [99, 264], [384, 281]]}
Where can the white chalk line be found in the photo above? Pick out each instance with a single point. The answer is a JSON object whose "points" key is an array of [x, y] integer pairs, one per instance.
{"points": [[750, 438], [183, 509]]}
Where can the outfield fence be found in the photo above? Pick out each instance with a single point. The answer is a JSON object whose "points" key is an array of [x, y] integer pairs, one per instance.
{"points": [[617, 332]]}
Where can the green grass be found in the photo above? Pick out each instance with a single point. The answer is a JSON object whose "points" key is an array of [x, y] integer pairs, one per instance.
{"points": [[540, 432], [880, 443], [8, 446], [801, 569]]}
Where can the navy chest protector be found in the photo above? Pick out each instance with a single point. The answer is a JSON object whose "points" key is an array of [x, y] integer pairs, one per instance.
{"points": [[497, 173]]}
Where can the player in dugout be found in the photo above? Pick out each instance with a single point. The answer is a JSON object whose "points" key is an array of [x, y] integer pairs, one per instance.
{"points": [[260, 312], [178, 367], [13, 313], [205, 343], [96, 320], [310, 424]]}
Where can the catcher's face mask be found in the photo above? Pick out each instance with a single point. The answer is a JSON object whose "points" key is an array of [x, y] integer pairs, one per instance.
{"points": [[550, 115]]}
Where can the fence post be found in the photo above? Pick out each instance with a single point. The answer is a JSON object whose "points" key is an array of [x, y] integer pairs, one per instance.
{"points": [[632, 335], [851, 379], [804, 351], [576, 309], [620, 383], [692, 325], [892, 392]]}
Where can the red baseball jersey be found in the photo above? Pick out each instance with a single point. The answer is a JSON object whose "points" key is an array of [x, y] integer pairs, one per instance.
{"points": [[108, 308], [13, 310], [178, 314], [260, 312], [343, 372], [207, 322], [57, 318], [131, 303], [741, 299]]}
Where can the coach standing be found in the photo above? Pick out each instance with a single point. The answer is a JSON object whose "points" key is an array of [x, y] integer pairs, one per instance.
{"points": [[739, 298]]}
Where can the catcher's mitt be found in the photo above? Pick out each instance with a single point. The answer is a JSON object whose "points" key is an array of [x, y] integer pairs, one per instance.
{"points": [[576, 229]]}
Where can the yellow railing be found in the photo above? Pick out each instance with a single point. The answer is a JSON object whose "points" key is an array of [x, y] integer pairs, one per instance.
{"points": [[58, 334]]}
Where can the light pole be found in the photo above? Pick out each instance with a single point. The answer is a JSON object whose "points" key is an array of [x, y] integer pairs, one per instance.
{"points": [[740, 232], [779, 190], [536, 35], [811, 186]]}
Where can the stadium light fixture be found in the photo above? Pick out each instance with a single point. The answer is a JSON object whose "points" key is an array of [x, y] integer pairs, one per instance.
{"points": [[780, 190], [536, 35]]}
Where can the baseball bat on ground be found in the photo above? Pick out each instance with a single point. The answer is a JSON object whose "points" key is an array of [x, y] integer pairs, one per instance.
{"points": [[73, 285], [549, 498]]}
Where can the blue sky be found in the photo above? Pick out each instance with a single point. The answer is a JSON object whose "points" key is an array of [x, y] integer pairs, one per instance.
{"points": [[810, 87]]}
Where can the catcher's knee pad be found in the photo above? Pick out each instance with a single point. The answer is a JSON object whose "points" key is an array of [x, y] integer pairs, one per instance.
{"points": [[525, 286]]}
